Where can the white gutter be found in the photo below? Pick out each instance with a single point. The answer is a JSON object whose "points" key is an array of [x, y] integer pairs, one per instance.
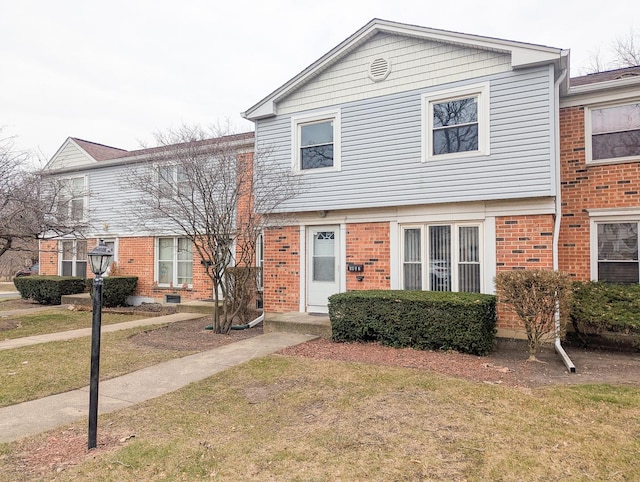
{"points": [[556, 230]]}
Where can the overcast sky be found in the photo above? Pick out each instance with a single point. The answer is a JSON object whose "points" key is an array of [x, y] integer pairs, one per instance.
{"points": [[115, 72]]}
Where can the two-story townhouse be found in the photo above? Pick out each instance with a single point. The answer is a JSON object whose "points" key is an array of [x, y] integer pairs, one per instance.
{"points": [[94, 178], [600, 161], [428, 159]]}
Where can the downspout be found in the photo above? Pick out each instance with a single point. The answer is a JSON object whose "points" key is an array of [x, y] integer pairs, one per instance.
{"points": [[558, 208], [246, 326], [251, 324]]}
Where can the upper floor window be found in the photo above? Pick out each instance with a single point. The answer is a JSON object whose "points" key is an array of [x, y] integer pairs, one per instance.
{"points": [[173, 180], [617, 252], [456, 122], [174, 261], [443, 257], [614, 133], [316, 141], [73, 261], [73, 198]]}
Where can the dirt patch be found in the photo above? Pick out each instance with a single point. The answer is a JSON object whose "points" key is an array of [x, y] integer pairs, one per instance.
{"points": [[191, 335], [506, 365], [8, 325], [18, 304]]}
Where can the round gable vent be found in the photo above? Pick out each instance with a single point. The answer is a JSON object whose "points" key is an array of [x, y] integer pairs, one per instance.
{"points": [[379, 69]]}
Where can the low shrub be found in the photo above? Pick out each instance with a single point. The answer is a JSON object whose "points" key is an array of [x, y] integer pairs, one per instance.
{"points": [[48, 290], [611, 311], [418, 319], [116, 289]]}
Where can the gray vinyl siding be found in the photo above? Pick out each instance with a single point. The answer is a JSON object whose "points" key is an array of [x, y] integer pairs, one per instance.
{"points": [[114, 209], [381, 150]]}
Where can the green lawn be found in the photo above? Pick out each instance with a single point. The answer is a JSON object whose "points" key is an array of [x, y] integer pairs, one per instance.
{"points": [[55, 320], [45, 369], [285, 418]]}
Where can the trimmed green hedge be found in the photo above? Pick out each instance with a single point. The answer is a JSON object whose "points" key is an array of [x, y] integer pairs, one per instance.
{"points": [[116, 289], [48, 290], [608, 310], [419, 319]]}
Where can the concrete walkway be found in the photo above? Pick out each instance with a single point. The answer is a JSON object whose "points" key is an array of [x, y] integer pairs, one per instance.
{"points": [[69, 335], [29, 418]]}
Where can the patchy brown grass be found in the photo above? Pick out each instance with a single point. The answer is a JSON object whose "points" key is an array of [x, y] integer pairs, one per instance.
{"points": [[290, 418], [54, 320]]}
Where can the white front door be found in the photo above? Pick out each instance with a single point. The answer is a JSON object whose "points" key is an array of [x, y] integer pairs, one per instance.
{"points": [[323, 278]]}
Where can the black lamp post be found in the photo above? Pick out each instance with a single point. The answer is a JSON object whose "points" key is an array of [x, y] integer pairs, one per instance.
{"points": [[99, 259]]}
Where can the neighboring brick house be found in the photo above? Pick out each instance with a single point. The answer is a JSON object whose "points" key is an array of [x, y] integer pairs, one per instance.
{"points": [[600, 160], [163, 260], [429, 159]]}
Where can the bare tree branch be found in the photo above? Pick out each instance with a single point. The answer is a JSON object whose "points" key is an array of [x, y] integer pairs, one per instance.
{"points": [[29, 201], [207, 186]]}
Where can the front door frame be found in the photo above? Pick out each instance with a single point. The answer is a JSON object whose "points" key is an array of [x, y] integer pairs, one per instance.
{"points": [[305, 259]]}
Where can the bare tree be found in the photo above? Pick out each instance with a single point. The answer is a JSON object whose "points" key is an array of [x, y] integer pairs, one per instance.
{"points": [[627, 50], [537, 297], [623, 52], [30, 202], [207, 187]]}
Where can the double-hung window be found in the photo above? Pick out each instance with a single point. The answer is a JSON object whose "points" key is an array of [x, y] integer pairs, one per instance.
{"points": [[456, 122], [72, 201], [173, 181], [73, 261], [316, 141], [442, 257], [617, 251], [174, 261], [613, 133]]}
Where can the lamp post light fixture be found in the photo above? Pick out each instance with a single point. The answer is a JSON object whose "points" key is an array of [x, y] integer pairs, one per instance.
{"points": [[99, 259]]}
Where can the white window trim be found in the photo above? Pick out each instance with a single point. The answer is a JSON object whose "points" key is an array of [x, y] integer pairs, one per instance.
{"points": [[74, 260], [156, 274], [606, 217], [114, 259], [455, 255], [297, 121], [84, 196], [260, 262], [482, 91], [587, 134]]}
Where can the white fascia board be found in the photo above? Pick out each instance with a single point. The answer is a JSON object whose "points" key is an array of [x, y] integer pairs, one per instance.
{"points": [[602, 92], [260, 111], [242, 146], [51, 165], [523, 55]]}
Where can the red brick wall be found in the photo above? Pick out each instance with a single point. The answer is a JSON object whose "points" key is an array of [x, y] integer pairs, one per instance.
{"points": [[49, 257], [136, 257], [522, 242], [368, 244], [282, 269], [587, 187]]}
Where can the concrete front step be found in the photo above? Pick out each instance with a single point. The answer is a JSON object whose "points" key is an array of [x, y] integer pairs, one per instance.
{"points": [[295, 322], [204, 307], [83, 299]]}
